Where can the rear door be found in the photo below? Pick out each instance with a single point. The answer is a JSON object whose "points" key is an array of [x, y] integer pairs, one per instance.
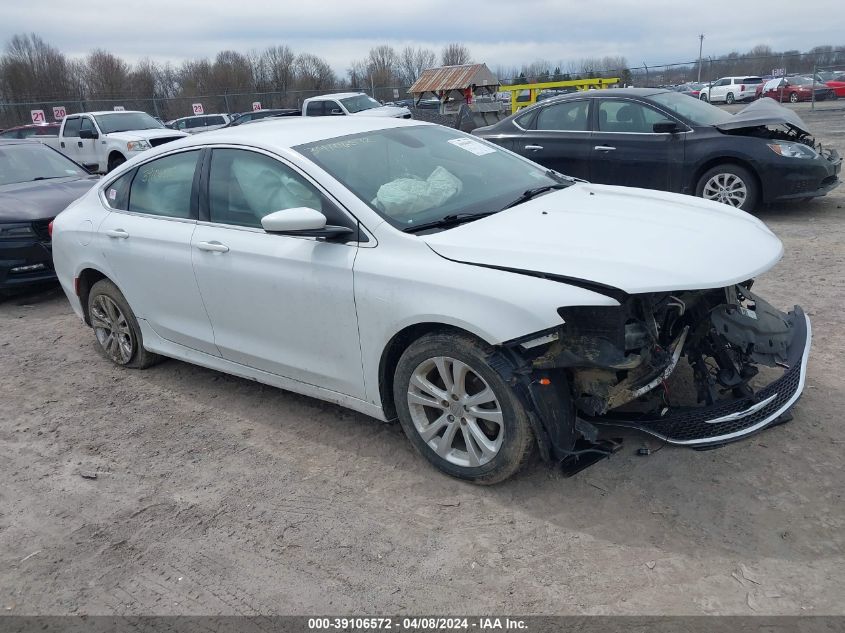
{"points": [[626, 150], [558, 137], [146, 240], [87, 154], [69, 141]]}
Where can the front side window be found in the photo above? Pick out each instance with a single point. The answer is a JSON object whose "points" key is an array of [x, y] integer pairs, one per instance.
{"points": [[698, 112], [245, 186], [570, 116], [163, 186], [419, 174], [87, 124], [627, 116]]}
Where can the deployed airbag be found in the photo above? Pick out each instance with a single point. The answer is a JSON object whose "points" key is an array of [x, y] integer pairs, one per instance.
{"points": [[407, 196]]}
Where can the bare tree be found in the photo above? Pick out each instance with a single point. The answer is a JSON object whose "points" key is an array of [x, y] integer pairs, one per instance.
{"points": [[32, 69], [413, 61], [106, 75], [455, 54], [280, 67], [313, 73]]}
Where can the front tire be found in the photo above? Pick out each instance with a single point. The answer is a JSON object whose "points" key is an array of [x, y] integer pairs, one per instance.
{"points": [[793, 97], [115, 160], [458, 412], [729, 184], [702, 97], [116, 328]]}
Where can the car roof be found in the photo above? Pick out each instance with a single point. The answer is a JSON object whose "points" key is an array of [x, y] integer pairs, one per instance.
{"points": [[19, 141], [609, 92], [287, 133], [99, 112]]}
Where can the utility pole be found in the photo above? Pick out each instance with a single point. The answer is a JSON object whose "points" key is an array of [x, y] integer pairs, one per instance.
{"points": [[700, 47]]}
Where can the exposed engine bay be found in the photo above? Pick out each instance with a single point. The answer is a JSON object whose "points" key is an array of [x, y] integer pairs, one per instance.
{"points": [[619, 362]]}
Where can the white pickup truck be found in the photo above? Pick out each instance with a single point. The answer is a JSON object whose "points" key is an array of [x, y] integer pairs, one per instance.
{"points": [[100, 141], [350, 103]]}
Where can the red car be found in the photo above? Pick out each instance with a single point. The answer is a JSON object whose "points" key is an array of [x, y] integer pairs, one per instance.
{"points": [[837, 84], [794, 89], [32, 130]]}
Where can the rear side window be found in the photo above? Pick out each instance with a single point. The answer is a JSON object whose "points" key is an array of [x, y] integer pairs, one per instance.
{"points": [[214, 120], [564, 117], [163, 186], [196, 122], [72, 127], [117, 193]]}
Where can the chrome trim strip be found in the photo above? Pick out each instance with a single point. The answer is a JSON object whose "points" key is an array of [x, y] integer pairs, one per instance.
{"points": [[741, 414]]}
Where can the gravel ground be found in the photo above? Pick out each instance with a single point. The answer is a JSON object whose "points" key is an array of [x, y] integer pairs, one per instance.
{"points": [[215, 495]]}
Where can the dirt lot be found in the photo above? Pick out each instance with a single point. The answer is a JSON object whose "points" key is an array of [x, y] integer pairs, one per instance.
{"points": [[218, 495]]}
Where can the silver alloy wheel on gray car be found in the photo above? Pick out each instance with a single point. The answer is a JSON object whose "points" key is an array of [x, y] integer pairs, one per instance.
{"points": [[455, 411], [726, 188], [112, 330]]}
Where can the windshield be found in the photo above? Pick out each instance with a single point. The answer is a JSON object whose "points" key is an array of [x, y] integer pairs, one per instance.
{"points": [[26, 162], [698, 112], [420, 174], [126, 121], [359, 103]]}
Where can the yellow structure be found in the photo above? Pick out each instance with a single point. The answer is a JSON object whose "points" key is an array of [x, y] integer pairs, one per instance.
{"points": [[535, 89]]}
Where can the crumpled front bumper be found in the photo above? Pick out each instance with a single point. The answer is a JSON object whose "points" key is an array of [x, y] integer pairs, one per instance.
{"points": [[725, 422]]}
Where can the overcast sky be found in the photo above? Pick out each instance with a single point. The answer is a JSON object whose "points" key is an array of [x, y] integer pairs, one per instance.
{"points": [[498, 32]]}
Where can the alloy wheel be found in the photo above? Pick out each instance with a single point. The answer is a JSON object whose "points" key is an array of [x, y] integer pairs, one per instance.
{"points": [[455, 411], [112, 329], [726, 188]]}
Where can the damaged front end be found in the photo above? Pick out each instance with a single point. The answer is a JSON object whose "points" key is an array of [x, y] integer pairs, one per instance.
{"points": [[622, 366]]}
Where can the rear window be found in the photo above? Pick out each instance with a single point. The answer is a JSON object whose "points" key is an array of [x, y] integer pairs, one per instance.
{"points": [[752, 80]]}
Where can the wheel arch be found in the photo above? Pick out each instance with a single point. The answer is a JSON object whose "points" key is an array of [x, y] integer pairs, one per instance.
{"points": [[393, 351], [114, 153], [87, 277], [724, 160]]}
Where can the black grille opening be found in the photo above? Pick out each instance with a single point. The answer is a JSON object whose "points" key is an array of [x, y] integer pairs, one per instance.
{"points": [[155, 142]]}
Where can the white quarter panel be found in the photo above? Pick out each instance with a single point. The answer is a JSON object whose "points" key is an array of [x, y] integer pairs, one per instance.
{"points": [[282, 304], [152, 267]]}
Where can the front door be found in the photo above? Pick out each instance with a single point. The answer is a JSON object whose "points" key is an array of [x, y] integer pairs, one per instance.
{"points": [[280, 304], [87, 147], [626, 150]]}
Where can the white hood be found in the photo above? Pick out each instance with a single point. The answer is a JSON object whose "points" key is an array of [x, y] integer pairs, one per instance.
{"points": [[143, 135], [394, 111], [633, 239]]}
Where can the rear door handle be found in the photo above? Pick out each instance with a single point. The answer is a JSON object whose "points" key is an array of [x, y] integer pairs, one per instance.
{"points": [[79, 143], [214, 247], [533, 148], [605, 148], [119, 233]]}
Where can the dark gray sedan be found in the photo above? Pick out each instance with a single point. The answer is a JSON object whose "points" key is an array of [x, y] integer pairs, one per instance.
{"points": [[36, 183], [658, 139]]}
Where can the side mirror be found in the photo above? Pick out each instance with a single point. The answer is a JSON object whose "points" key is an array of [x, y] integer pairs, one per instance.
{"points": [[336, 112], [666, 127], [302, 222], [88, 134]]}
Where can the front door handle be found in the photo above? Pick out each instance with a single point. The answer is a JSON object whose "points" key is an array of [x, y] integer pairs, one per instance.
{"points": [[533, 148], [214, 247], [62, 144], [605, 148], [118, 233], [79, 143]]}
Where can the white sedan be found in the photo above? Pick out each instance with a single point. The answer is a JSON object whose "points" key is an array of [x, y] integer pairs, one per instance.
{"points": [[410, 271]]}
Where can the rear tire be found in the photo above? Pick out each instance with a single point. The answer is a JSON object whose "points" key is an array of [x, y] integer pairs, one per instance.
{"points": [[729, 184], [116, 329], [458, 412], [730, 98]]}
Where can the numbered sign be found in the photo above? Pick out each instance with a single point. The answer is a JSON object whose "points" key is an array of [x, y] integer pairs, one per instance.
{"points": [[256, 105], [59, 113], [197, 108], [119, 108], [37, 116], [395, 93]]}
